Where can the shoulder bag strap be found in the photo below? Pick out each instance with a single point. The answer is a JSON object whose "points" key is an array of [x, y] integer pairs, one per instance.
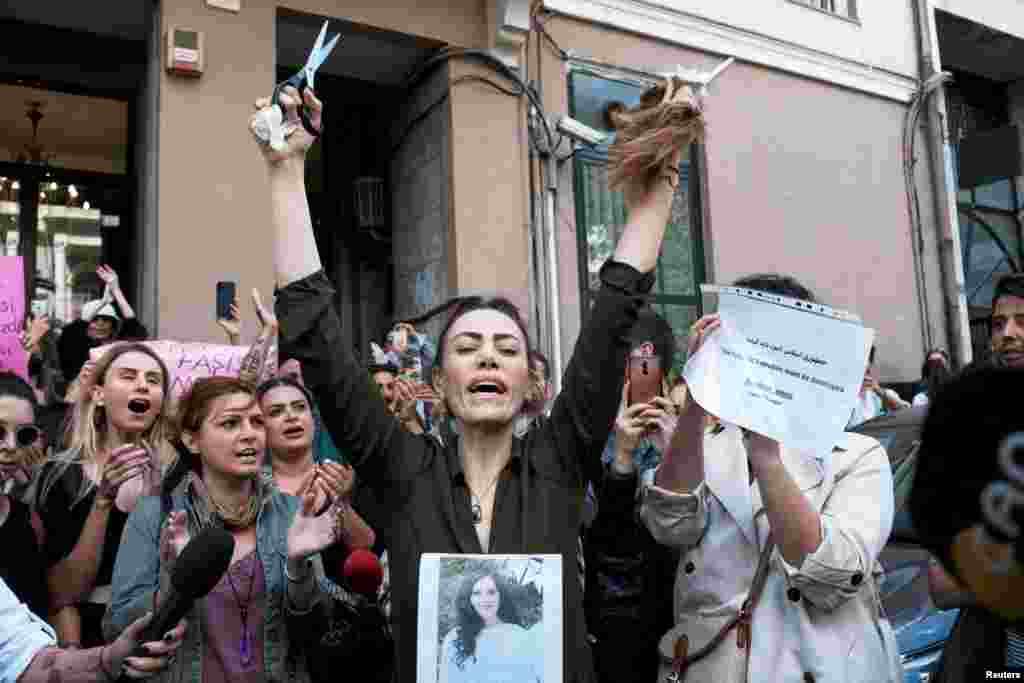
{"points": [[684, 659]]}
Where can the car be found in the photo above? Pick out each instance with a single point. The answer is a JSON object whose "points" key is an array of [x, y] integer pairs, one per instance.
{"points": [[921, 628]]}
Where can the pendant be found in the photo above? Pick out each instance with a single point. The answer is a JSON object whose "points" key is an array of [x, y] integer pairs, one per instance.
{"points": [[478, 513], [244, 648]]}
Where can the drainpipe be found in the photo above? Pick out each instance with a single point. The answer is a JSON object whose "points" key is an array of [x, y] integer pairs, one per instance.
{"points": [[945, 192], [550, 165]]}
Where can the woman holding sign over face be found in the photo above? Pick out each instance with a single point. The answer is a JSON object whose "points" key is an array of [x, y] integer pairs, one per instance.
{"points": [[779, 548], [483, 490], [119, 446]]}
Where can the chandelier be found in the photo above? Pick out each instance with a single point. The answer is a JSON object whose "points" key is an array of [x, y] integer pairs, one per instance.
{"points": [[34, 153]]}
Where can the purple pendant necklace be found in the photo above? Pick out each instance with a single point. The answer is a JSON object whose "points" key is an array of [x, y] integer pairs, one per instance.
{"points": [[244, 644]]}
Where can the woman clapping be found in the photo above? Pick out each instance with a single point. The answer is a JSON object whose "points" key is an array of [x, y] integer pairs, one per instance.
{"points": [[118, 450], [238, 632]]}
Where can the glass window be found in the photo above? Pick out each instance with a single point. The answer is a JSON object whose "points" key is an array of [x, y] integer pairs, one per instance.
{"points": [[601, 214], [991, 248], [997, 195]]}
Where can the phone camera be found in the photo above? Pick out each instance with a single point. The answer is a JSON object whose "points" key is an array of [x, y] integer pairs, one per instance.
{"points": [[644, 367]]}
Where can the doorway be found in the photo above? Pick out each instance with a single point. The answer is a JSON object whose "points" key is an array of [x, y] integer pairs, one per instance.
{"points": [[367, 215], [65, 197]]}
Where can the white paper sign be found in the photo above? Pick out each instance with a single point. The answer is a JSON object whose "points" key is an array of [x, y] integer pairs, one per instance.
{"points": [[780, 367], [489, 619]]}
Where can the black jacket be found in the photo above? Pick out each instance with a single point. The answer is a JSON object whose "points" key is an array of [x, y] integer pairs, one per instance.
{"points": [[629, 585], [539, 497], [75, 344]]}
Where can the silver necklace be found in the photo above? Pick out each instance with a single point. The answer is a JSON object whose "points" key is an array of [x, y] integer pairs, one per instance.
{"points": [[475, 501]]}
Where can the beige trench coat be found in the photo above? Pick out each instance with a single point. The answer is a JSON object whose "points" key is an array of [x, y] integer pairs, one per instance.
{"points": [[819, 622]]}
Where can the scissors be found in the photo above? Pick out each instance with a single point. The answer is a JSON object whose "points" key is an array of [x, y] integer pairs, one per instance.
{"points": [[269, 124], [306, 75]]}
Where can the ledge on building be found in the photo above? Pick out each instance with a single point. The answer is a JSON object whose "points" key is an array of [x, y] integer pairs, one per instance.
{"points": [[813, 5]]}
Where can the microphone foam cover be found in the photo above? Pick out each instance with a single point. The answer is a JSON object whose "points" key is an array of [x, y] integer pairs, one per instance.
{"points": [[203, 562], [363, 572]]}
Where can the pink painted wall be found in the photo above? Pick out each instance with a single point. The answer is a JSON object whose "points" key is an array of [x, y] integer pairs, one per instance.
{"points": [[806, 178], [803, 177]]}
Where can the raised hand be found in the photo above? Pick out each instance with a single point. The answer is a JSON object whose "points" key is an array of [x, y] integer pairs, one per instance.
{"points": [[405, 390], [700, 331], [266, 316], [641, 193], [661, 421], [311, 532], [339, 478], [232, 325], [265, 122], [125, 463], [630, 425], [108, 275], [174, 536], [291, 368], [34, 331]]}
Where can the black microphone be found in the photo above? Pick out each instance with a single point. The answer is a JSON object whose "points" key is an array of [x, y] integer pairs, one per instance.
{"points": [[199, 567]]}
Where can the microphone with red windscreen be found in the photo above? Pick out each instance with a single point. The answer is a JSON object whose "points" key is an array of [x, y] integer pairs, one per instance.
{"points": [[363, 573]]}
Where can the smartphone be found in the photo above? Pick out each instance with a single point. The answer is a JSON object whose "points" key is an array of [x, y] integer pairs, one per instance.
{"points": [[225, 299], [645, 378]]}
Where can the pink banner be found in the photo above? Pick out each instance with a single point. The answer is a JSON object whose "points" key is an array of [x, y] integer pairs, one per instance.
{"points": [[13, 356], [189, 361]]}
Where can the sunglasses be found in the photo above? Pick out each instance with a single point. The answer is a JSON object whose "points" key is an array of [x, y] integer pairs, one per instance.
{"points": [[24, 435]]}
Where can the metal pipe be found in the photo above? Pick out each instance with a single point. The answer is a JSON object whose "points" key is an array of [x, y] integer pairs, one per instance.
{"points": [[551, 220], [945, 189]]}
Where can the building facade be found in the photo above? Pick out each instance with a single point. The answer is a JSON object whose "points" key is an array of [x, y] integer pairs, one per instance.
{"points": [[430, 182]]}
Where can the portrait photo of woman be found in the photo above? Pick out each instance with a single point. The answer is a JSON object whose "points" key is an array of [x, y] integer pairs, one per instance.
{"points": [[493, 638]]}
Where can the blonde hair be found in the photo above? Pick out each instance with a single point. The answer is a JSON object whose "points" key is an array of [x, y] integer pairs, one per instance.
{"points": [[87, 424]]}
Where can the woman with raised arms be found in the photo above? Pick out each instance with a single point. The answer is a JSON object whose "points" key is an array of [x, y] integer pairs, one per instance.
{"points": [[484, 491]]}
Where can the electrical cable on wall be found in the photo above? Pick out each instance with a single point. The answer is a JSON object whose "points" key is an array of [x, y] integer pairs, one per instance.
{"points": [[549, 141], [910, 122]]}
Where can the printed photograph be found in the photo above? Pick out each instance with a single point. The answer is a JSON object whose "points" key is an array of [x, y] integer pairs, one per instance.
{"points": [[490, 615]]}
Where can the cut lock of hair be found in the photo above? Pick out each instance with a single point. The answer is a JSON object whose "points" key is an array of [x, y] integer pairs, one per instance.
{"points": [[668, 118]]}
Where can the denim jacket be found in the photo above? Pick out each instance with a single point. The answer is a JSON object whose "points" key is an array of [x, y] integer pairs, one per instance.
{"points": [[137, 576]]}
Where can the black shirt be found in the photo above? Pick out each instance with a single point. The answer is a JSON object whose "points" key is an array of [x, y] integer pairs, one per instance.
{"points": [[630, 577], [539, 497], [21, 565], [74, 344], [63, 516]]}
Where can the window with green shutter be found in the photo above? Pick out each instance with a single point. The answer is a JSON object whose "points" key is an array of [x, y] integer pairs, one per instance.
{"points": [[601, 214]]}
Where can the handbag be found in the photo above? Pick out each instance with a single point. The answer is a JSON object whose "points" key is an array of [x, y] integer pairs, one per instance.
{"points": [[714, 647], [346, 632]]}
